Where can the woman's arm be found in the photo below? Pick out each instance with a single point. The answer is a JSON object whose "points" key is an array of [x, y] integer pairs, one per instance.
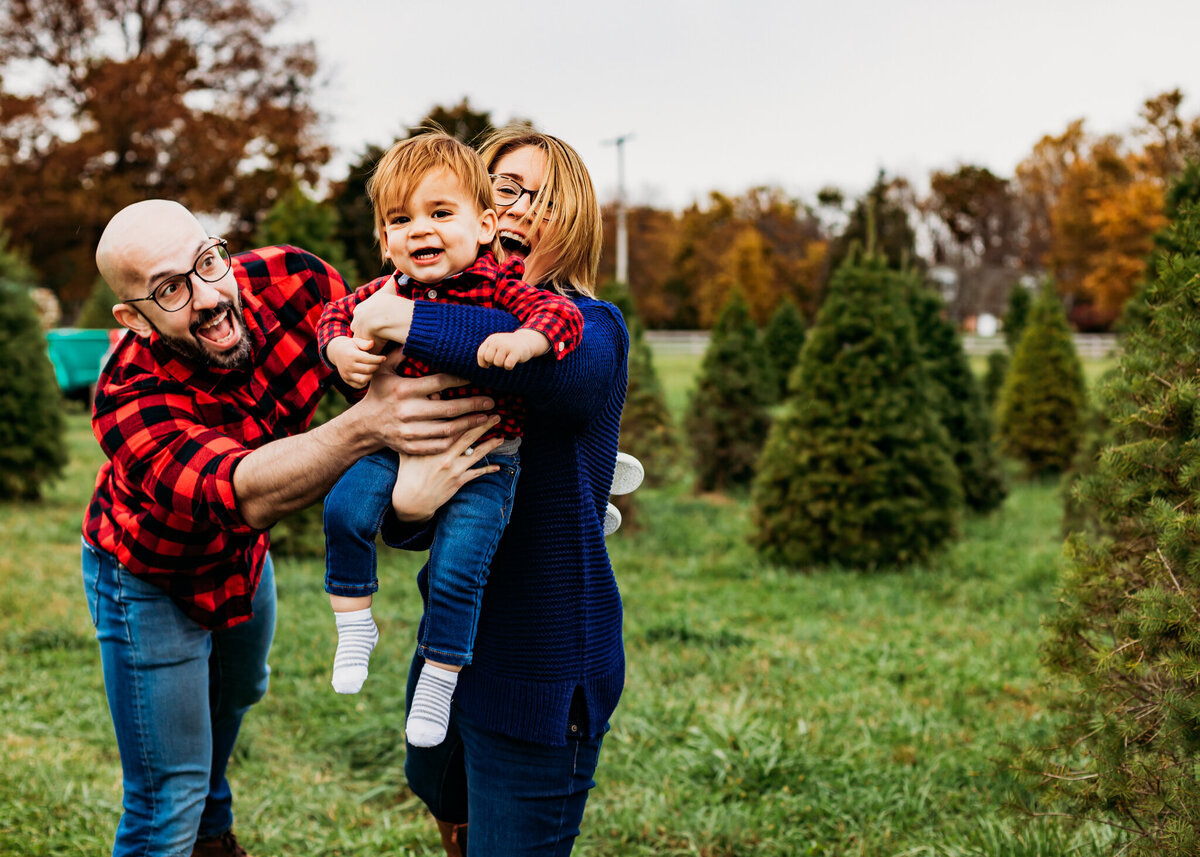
{"points": [[447, 336]]}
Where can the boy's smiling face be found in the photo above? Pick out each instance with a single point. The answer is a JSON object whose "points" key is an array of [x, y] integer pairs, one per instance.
{"points": [[437, 232]]}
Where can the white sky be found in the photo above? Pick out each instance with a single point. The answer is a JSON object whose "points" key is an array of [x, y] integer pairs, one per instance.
{"points": [[729, 95]]}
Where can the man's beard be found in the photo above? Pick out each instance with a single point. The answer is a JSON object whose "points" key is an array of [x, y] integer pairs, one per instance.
{"points": [[192, 349]]}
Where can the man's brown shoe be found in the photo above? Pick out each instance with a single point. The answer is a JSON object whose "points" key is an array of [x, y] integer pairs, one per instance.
{"points": [[225, 845]]}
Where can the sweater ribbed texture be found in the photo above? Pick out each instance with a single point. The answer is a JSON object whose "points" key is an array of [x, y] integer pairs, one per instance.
{"points": [[550, 624]]}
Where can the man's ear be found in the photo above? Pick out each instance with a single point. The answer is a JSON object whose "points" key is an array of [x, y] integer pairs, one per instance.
{"points": [[487, 227], [129, 317]]}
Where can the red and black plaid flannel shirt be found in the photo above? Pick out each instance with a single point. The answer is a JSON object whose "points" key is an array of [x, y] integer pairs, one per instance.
{"points": [[174, 432], [484, 284]]}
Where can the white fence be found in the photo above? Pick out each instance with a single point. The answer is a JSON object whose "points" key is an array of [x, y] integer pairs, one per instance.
{"points": [[1091, 346]]}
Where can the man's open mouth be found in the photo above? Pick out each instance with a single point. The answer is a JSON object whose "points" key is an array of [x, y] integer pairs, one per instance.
{"points": [[219, 330]]}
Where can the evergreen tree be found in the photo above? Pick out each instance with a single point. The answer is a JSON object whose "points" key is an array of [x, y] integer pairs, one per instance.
{"points": [[1017, 316], [727, 417], [1043, 405], [782, 340], [97, 311], [32, 449], [958, 399], [647, 430], [356, 219], [993, 378], [1126, 635], [298, 219], [856, 470]]}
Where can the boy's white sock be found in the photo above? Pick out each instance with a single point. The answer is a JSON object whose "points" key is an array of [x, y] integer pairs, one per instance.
{"points": [[357, 636], [430, 713]]}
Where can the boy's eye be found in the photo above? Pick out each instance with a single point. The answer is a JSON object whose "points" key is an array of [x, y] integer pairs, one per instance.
{"points": [[398, 220], [442, 212]]}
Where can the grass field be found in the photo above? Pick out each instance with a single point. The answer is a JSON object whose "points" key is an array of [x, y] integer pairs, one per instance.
{"points": [[765, 713]]}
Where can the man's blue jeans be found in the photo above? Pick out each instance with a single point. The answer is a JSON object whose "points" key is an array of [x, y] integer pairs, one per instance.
{"points": [[524, 799], [177, 693], [468, 528]]}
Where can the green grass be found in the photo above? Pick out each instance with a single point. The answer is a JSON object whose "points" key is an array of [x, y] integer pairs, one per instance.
{"points": [[765, 712]]}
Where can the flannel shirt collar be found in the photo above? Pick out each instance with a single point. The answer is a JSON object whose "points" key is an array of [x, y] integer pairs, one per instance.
{"points": [[260, 322], [485, 267]]}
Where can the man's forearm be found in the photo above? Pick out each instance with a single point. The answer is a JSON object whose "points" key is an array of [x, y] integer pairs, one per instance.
{"points": [[294, 472]]}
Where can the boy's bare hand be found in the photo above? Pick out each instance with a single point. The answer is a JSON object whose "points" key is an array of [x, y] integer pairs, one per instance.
{"points": [[506, 350], [353, 359]]}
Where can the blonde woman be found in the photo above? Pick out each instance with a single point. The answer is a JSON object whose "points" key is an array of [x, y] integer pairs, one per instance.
{"points": [[531, 710]]}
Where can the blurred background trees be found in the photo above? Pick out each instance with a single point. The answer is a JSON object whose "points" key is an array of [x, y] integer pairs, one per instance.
{"points": [[105, 102]]}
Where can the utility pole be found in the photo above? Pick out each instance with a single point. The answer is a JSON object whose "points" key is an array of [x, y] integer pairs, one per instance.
{"points": [[622, 273]]}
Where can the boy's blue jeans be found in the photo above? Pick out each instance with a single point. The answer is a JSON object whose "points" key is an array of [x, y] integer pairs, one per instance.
{"points": [[177, 693], [468, 528]]}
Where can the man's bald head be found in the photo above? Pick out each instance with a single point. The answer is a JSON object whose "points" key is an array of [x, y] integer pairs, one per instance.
{"points": [[137, 240]]}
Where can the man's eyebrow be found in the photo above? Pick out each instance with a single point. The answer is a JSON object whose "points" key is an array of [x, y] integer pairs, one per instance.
{"points": [[163, 275]]}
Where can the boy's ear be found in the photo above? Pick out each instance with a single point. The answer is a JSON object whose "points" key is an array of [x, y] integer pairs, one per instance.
{"points": [[129, 317], [487, 226]]}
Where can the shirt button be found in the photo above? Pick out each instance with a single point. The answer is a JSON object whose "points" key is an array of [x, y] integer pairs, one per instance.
{"points": [[562, 346], [574, 728], [431, 294]]}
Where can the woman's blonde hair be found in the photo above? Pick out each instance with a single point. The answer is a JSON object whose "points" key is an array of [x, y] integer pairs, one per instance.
{"points": [[401, 169], [573, 238]]}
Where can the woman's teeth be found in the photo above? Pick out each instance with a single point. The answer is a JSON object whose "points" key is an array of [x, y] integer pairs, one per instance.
{"points": [[513, 241]]}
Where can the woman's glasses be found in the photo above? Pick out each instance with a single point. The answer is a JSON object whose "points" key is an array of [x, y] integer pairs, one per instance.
{"points": [[507, 192]]}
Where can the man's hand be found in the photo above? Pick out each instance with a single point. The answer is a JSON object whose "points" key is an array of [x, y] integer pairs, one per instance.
{"points": [[506, 350], [353, 359], [384, 316], [405, 416], [425, 482]]}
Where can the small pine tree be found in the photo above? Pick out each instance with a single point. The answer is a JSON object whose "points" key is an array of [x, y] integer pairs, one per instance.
{"points": [[727, 418], [993, 378], [32, 449], [1043, 406], [856, 470], [97, 311], [647, 430], [1126, 635], [1019, 303], [782, 339], [959, 401], [297, 219]]}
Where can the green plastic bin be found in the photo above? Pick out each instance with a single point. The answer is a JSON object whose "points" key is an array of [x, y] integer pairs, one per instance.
{"points": [[77, 355]]}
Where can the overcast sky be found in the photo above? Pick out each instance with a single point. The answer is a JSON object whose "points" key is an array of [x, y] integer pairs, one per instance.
{"points": [[729, 95]]}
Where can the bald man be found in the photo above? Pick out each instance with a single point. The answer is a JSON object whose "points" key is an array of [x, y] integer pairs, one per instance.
{"points": [[202, 415]]}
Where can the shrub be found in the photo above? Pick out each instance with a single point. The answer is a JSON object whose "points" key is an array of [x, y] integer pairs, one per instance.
{"points": [[1017, 316], [959, 401], [1044, 399], [856, 469], [782, 339], [727, 418], [1126, 636], [97, 311], [993, 378], [647, 430], [32, 448]]}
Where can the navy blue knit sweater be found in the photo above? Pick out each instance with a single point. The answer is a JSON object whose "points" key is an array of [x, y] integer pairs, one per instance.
{"points": [[550, 624]]}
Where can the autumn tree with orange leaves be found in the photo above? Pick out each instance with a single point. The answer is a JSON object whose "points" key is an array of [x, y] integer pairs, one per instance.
{"points": [[106, 102]]}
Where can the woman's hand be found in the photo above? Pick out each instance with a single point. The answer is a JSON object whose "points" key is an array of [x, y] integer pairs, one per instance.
{"points": [[425, 482], [383, 316]]}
